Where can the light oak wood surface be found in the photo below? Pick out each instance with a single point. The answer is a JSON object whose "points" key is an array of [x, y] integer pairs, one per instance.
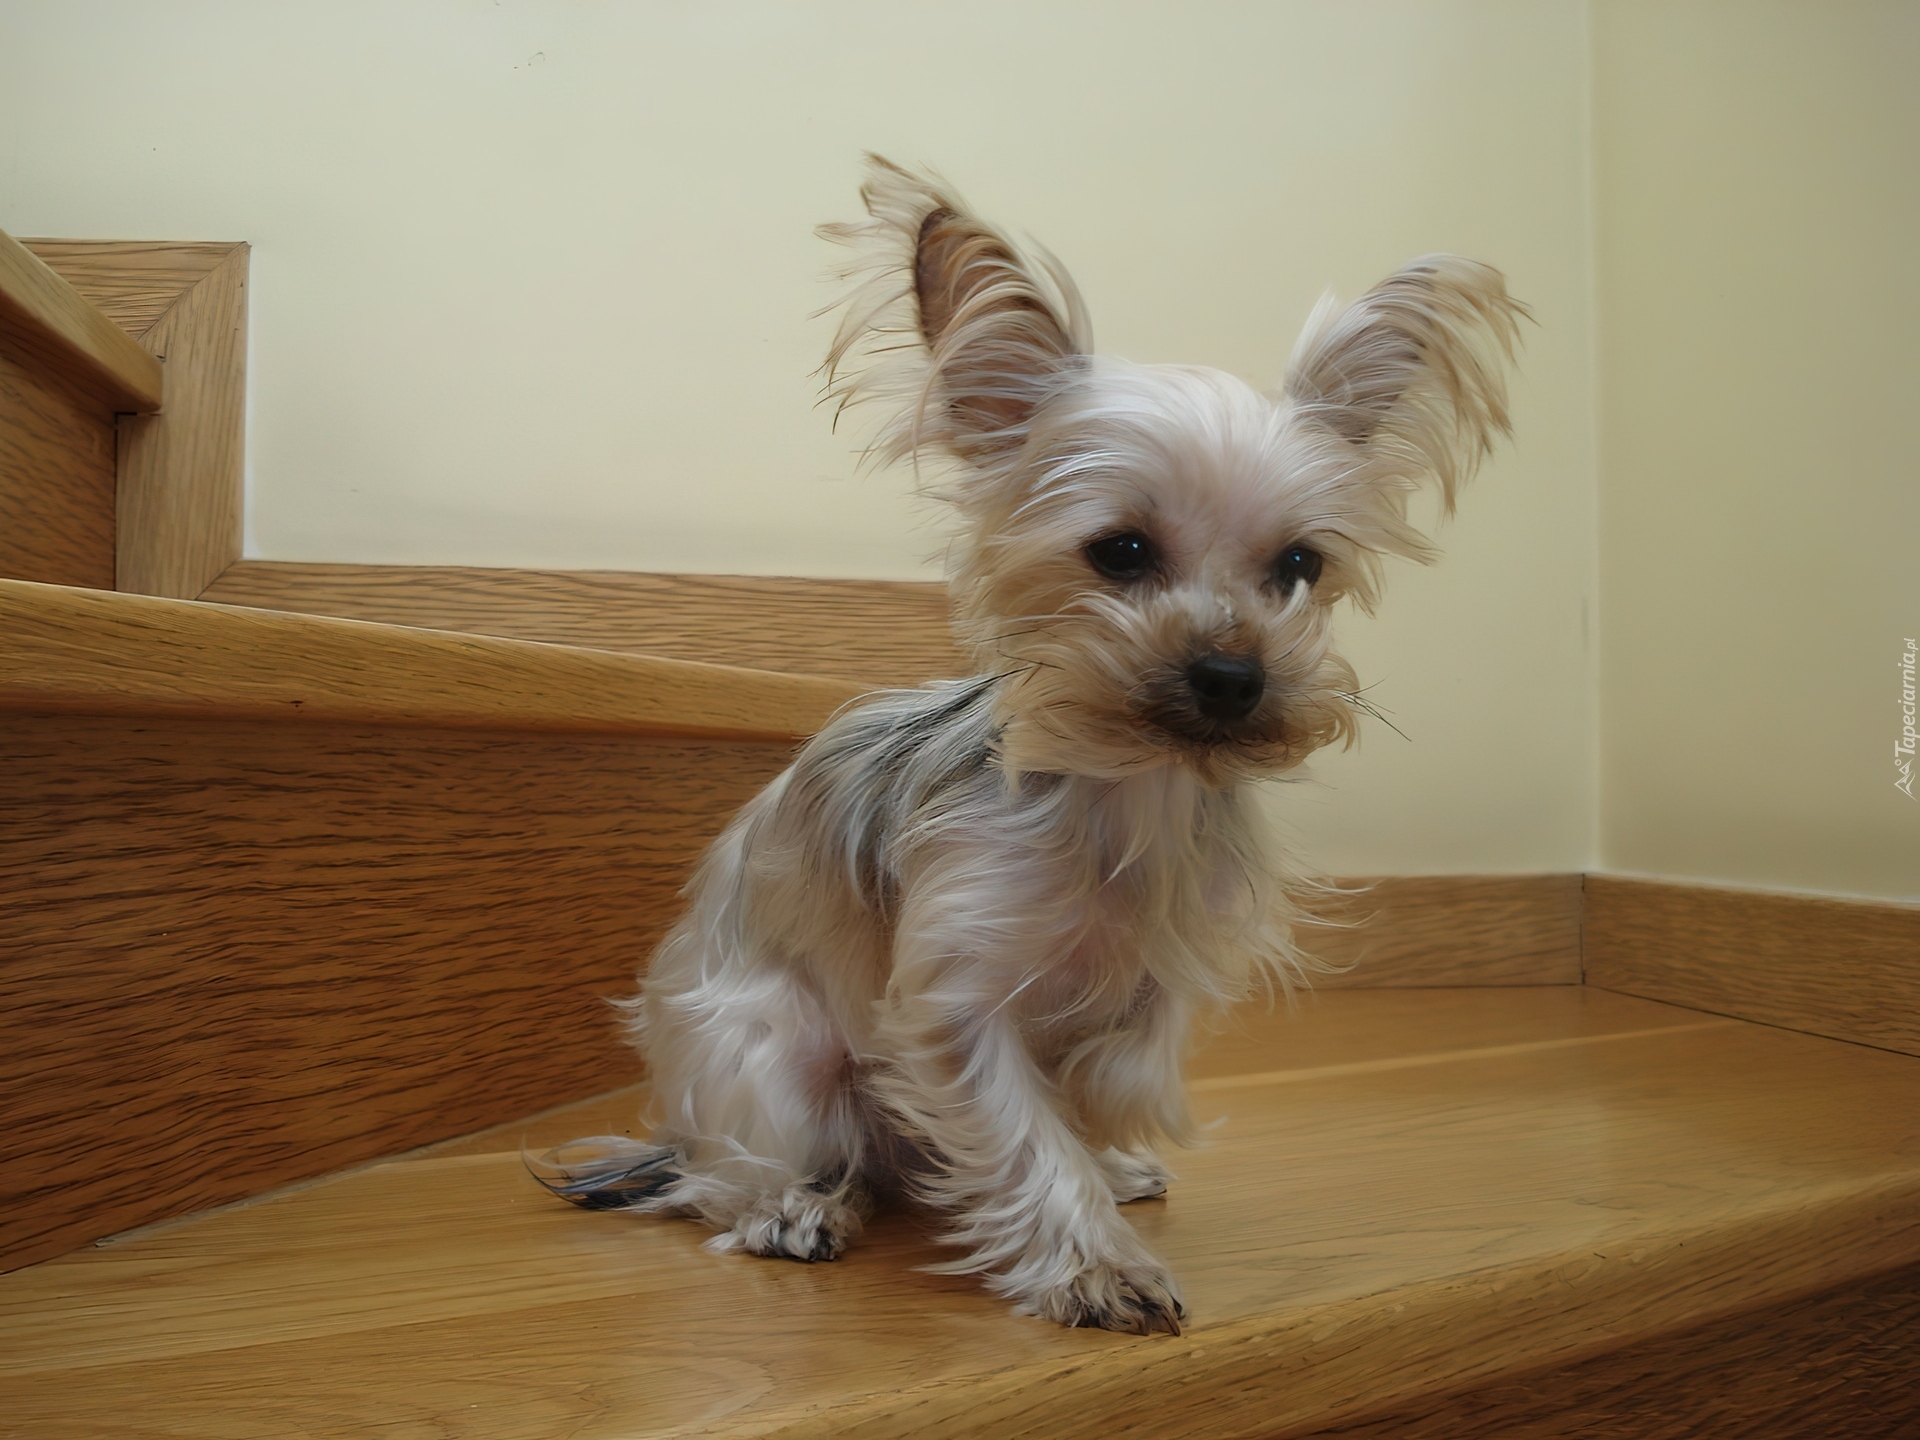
{"points": [[98, 653], [182, 473], [875, 632], [132, 282], [56, 475], [1843, 1364], [1449, 930], [1829, 966], [1453, 1187], [154, 507], [70, 337], [235, 954]]}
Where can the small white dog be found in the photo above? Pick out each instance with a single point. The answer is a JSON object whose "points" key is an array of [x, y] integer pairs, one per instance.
{"points": [[955, 952]]}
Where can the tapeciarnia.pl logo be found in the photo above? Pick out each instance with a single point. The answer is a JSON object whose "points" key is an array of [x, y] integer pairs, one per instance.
{"points": [[1903, 747]]}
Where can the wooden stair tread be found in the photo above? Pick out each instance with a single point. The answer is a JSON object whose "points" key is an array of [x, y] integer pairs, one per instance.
{"points": [[1409, 1192], [100, 652]]}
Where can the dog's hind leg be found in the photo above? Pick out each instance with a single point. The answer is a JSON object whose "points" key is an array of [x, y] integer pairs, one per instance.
{"points": [[754, 1089], [1133, 1174], [809, 1220]]}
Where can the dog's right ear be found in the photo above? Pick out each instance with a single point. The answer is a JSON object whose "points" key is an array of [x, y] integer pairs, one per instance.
{"points": [[996, 330], [996, 341]]}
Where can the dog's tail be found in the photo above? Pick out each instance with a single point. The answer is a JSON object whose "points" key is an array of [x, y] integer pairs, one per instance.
{"points": [[607, 1172]]}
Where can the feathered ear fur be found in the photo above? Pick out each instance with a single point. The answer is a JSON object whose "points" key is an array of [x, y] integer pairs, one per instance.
{"points": [[949, 320], [1414, 371]]}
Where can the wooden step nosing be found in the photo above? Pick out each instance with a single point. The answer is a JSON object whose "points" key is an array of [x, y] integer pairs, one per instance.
{"points": [[1296, 1374], [99, 652]]}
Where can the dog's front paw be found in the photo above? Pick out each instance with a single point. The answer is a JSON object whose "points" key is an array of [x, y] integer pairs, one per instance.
{"points": [[1134, 1299], [798, 1223], [1134, 1175]]}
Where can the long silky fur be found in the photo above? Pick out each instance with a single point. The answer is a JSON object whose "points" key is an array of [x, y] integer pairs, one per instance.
{"points": [[957, 951]]}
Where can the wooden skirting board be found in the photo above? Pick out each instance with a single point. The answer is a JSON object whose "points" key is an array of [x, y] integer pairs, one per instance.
{"points": [[65, 369], [1829, 966], [1439, 930], [134, 283], [181, 471], [874, 632]]}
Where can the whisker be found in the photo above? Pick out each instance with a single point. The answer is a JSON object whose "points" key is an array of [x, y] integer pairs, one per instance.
{"points": [[1367, 707]]}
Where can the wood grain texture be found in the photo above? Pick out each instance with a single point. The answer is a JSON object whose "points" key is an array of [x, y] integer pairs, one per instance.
{"points": [[98, 653], [1841, 1363], [70, 337], [182, 472], [1845, 968], [1585, 1173], [56, 476], [1448, 930], [1313, 1038], [234, 955], [875, 632], [132, 282]]}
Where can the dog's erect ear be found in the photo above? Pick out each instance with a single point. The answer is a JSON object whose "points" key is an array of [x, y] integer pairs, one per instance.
{"points": [[995, 330], [1415, 369], [992, 331]]}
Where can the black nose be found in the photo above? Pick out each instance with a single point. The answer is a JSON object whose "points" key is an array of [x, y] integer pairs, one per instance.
{"points": [[1226, 687]]}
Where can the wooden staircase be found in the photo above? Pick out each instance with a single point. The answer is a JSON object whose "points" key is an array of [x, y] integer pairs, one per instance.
{"points": [[1529, 1212], [285, 896]]}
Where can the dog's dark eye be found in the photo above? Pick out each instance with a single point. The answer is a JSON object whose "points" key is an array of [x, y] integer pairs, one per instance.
{"points": [[1296, 562], [1126, 556]]}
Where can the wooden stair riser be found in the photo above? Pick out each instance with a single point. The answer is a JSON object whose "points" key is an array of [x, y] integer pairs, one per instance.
{"points": [[1839, 1362], [239, 954]]}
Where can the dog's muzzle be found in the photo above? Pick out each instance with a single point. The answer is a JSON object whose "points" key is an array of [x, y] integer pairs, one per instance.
{"points": [[1218, 699]]}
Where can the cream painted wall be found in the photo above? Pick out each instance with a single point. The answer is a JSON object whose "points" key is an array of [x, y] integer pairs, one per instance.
{"points": [[1758, 199], [532, 286]]}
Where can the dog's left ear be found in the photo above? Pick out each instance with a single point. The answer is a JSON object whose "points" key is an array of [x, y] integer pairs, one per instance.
{"points": [[1414, 371]]}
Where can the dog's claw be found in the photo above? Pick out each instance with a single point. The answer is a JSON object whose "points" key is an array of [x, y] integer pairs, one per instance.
{"points": [[1161, 1317], [1138, 1303]]}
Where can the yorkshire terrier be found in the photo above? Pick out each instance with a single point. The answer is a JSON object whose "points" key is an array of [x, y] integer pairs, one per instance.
{"points": [[956, 951]]}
